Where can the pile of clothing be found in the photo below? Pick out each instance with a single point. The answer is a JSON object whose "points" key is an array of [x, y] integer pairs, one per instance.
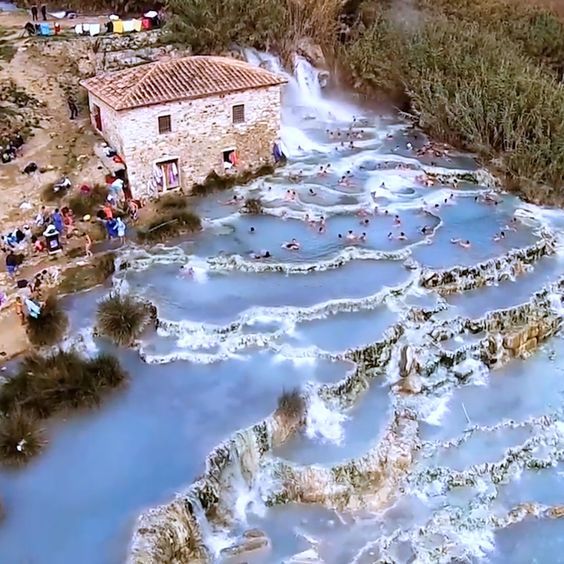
{"points": [[150, 20], [44, 28]]}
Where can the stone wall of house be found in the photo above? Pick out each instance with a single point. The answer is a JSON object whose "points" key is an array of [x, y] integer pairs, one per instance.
{"points": [[110, 122], [201, 130]]}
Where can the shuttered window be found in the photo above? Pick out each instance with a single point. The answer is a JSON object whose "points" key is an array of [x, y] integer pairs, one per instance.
{"points": [[164, 124], [239, 113]]}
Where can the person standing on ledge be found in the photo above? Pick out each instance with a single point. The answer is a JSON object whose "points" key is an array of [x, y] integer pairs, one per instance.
{"points": [[73, 108], [44, 12], [34, 13]]}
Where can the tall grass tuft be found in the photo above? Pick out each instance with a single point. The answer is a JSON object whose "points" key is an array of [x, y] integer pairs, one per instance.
{"points": [[47, 329], [21, 438], [122, 318], [44, 385]]}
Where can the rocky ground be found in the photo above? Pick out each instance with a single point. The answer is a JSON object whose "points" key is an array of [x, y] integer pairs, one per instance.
{"points": [[58, 145]]}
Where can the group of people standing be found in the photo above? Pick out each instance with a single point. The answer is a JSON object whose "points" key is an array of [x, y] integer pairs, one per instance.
{"points": [[35, 13]]}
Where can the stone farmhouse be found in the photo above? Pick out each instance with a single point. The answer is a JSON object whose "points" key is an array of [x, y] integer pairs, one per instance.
{"points": [[175, 121]]}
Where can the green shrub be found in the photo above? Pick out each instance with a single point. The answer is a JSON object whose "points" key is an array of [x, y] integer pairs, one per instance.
{"points": [[44, 385], [47, 329], [122, 318], [211, 26], [21, 438], [537, 30], [472, 88]]}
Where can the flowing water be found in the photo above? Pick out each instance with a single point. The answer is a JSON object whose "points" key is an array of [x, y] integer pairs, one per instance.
{"points": [[241, 330]]}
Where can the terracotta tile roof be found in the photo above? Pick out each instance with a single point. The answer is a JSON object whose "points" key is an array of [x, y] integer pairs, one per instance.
{"points": [[177, 79]]}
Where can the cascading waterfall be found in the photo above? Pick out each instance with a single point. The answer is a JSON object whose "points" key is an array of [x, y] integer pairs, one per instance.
{"points": [[305, 102]]}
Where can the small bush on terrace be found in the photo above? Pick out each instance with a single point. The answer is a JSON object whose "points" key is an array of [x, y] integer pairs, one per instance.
{"points": [[122, 318], [49, 328], [291, 406], [21, 438], [83, 277], [170, 224], [253, 206]]}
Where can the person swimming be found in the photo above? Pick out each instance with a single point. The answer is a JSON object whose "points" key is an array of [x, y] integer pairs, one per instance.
{"points": [[312, 192], [234, 200], [499, 236], [292, 245], [362, 238], [397, 220], [465, 244], [350, 236], [261, 255], [252, 230]]}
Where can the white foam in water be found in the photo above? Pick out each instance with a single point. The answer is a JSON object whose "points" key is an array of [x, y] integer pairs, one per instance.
{"points": [[435, 408], [323, 423]]}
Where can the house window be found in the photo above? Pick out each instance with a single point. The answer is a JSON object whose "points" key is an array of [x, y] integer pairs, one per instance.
{"points": [[97, 115], [168, 175], [229, 159], [164, 124], [239, 113]]}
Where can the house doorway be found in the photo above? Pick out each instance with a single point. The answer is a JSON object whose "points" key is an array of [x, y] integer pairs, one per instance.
{"points": [[169, 175], [97, 117]]}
